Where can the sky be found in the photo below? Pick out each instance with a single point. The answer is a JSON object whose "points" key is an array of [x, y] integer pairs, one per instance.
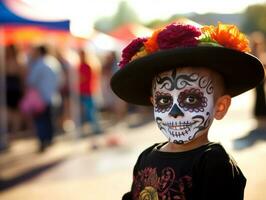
{"points": [[87, 11], [146, 9], [164, 10]]}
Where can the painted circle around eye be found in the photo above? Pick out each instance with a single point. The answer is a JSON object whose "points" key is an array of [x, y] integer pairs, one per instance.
{"points": [[163, 102], [192, 100]]}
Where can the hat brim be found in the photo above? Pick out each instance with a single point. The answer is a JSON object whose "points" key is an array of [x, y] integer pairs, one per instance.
{"points": [[241, 71]]}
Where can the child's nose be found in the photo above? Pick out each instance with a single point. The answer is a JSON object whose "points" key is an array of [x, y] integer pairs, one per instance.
{"points": [[176, 112]]}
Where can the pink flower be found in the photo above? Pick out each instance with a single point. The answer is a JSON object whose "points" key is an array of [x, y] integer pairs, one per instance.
{"points": [[178, 35], [128, 52]]}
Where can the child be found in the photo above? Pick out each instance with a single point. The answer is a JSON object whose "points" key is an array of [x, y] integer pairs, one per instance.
{"points": [[189, 75]]}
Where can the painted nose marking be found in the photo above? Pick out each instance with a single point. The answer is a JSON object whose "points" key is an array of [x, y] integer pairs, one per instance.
{"points": [[175, 112]]}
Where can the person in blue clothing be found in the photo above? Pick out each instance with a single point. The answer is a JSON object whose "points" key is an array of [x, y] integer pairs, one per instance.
{"points": [[44, 77], [188, 74]]}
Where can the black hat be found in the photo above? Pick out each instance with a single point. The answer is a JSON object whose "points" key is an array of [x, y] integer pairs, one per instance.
{"points": [[222, 49]]}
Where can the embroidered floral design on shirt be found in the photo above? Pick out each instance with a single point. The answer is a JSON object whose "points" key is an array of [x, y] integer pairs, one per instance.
{"points": [[150, 185]]}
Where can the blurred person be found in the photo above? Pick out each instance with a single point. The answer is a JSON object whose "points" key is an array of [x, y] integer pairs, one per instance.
{"points": [[119, 109], [44, 77], [87, 88], [107, 71], [258, 49], [188, 75], [115, 108], [15, 74], [64, 89], [112, 104]]}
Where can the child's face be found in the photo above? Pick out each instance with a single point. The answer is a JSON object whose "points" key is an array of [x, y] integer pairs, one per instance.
{"points": [[183, 102]]}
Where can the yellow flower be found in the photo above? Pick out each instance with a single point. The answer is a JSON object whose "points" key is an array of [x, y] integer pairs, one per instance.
{"points": [[149, 193], [228, 36], [139, 54]]}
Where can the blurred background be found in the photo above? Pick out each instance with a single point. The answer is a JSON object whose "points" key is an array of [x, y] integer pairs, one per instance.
{"points": [[64, 134]]}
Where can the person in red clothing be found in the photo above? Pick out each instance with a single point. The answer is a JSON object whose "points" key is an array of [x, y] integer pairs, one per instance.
{"points": [[86, 93]]}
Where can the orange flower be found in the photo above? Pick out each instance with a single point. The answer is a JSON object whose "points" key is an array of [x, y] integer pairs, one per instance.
{"points": [[151, 44], [228, 36]]}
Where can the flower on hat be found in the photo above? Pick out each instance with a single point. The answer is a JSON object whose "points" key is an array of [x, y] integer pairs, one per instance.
{"points": [[174, 35], [226, 35], [130, 50], [184, 35], [151, 44], [178, 35]]}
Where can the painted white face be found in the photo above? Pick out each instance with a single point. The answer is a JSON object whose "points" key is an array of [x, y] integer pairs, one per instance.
{"points": [[183, 104]]}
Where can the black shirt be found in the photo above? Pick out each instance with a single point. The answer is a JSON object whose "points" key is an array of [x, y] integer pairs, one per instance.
{"points": [[204, 173]]}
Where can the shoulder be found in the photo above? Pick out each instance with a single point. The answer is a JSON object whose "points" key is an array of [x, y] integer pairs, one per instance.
{"points": [[217, 173], [41, 65], [148, 151], [151, 148], [215, 150], [216, 158]]}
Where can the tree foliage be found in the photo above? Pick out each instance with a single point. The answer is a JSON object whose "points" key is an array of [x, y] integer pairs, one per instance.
{"points": [[124, 14], [255, 18]]}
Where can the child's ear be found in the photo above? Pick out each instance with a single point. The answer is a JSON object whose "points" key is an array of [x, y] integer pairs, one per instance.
{"points": [[221, 106], [152, 100]]}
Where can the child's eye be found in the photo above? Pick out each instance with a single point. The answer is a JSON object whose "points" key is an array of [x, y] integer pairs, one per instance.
{"points": [[164, 100], [191, 99]]}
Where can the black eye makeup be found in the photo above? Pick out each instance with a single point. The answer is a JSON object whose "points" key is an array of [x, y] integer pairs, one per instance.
{"points": [[192, 100], [163, 102]]}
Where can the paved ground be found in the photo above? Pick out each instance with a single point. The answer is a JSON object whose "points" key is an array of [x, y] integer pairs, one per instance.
{"points": [[71, 170]]}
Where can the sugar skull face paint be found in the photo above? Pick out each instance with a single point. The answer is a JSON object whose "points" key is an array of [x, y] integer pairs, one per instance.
{"points": [[183, 104]]}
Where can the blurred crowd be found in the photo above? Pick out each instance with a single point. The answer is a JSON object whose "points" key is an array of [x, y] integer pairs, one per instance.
{"points": [[51, 91]]}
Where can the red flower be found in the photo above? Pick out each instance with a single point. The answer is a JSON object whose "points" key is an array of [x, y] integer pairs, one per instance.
{"points": [[178, 35], [128, 52]]}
